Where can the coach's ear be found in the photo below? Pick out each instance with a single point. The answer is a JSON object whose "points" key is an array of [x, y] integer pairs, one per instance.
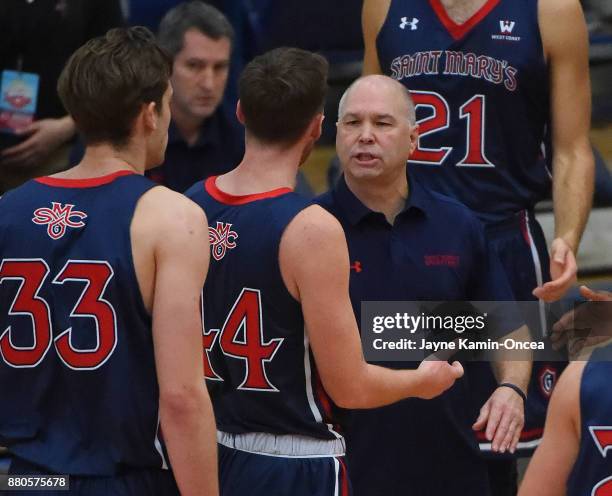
{"points": [[239, 113], [414, 139]]}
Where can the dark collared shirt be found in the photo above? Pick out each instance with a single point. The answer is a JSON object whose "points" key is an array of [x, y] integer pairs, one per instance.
{"points": [[435, 250], [218, 149]]}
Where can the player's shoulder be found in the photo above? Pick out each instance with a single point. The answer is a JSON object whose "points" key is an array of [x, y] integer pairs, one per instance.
{"points": [[168, 210], [313, 228], [558, 7], [315, 218], [325, 200]]}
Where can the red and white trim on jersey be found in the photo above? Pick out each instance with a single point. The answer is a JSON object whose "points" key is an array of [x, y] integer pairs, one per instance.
{"points": [[342, 487], [210, 185], [158, 445], [458, 31], [91, 182], [311, 388], [530, 440], [526, 228]]}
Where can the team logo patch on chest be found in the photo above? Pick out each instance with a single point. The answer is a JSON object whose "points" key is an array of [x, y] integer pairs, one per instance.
{"points": [[506, 29], [221, 238], [58, 218]]}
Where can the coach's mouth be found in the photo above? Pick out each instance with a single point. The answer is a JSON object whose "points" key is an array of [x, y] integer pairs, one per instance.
{"points": [[365, 159]]}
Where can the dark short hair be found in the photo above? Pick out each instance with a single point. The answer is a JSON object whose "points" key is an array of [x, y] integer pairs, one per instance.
{"points": [[280, 93], [106, 81], [192, 15]]}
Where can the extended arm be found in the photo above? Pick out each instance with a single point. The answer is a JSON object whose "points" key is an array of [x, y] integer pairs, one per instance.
{"points": [[315, 266], [565, 40], [181, 254]]}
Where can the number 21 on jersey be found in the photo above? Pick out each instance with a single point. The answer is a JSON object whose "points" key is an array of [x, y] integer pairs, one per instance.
{"points": [[472, 112]]}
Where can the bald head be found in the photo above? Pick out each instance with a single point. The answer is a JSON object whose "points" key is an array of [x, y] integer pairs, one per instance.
{"points": [[381, 85], [376, 131]]}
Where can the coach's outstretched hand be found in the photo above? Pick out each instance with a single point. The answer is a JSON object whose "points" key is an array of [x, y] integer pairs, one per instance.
{"points": [[503, 417], [436, 376]]}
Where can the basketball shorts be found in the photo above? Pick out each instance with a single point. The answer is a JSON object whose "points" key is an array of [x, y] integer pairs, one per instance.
{"points": [[261, 464]]}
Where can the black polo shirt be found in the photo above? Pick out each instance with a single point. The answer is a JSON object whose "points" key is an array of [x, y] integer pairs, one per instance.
{"points": [[218, 149], [435, 250]]}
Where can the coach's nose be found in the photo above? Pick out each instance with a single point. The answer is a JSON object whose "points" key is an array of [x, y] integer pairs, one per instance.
{"points": [[366, 133]]}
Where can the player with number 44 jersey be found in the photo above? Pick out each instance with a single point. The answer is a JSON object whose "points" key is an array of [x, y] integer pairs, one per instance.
{"points": [[281, 342]]}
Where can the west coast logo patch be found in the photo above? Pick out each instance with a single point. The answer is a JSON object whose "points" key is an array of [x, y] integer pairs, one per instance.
{"points": [[58, 218], [506, 28], [221, 238]]}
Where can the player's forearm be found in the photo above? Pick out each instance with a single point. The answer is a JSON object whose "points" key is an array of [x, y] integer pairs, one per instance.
{"points": [[381, 386], [574, 175], [190, 433], [375, 386]]}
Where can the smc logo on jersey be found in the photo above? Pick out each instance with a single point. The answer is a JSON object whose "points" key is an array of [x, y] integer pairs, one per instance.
{"points": [[413, 23], [58, 218], [221, 238]]}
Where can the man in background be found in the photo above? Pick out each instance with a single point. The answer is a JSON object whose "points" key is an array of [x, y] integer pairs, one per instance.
{"points": [[204, 138]]}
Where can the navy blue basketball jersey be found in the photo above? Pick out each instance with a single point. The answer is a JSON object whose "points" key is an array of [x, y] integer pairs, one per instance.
{"points": [[481, 95], [77, 371], [592, 472], [258, 364]]}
